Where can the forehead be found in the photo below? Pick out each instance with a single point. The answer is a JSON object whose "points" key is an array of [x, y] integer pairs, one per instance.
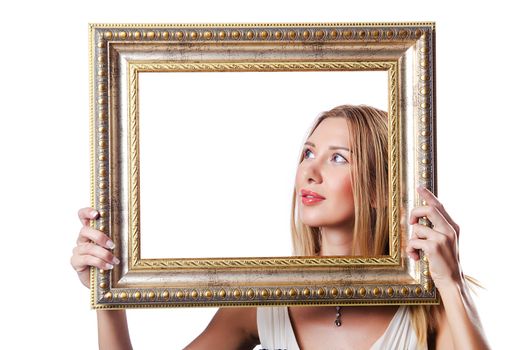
{"points": [[332, 131]]}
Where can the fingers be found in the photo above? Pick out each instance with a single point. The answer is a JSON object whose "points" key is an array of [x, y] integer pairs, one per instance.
{"points": [[431, 200], [93, 250], [430, 212], [424, 233], [88, 234], [434, 211], [87, 214], [439, 222], [428, 240], [416, 244], [413, 254], [82, 262], [419, 232]]}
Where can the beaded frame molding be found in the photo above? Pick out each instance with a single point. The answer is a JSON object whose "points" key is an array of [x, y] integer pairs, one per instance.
{"points": [[119, 52]]}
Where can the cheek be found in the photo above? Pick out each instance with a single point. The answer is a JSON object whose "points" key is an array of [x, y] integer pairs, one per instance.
{"points": [[342, 192]]}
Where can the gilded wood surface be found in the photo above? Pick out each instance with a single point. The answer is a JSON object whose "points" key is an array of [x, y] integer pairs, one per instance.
{"points": [[403, 49]]}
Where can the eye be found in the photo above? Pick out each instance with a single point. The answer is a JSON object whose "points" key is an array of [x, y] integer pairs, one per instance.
{"points": [[340, 156], [305, 152]]}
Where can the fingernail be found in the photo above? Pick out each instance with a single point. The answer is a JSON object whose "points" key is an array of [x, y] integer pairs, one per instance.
{"points": [[109, 267], [94, 214], [110, 244], [115, 260]]}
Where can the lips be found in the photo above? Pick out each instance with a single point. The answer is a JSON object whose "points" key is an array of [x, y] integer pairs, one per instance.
{"points": [[310, 197], [311, 194]]}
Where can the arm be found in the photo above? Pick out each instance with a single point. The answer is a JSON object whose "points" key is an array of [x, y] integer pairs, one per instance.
{"points": [[458, 315], [230, 328], [112, 330], [94, 249]]}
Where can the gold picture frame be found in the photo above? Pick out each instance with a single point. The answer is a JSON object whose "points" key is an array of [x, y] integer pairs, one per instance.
{"points": [[119, 53]]}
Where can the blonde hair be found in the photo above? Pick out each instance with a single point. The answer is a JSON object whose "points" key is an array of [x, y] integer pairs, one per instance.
{"points": [[368, 144]]}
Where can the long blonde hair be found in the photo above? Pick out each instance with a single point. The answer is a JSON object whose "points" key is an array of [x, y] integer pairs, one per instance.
{"points": [[368, 144]]}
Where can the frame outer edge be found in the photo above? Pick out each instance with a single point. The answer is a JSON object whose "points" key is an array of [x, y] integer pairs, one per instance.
{"points": [[94, 30], [431, 24], [92, 145], [433, 121]]}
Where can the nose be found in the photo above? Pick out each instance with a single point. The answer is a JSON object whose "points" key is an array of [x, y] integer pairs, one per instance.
{"points": [[312, 173]]}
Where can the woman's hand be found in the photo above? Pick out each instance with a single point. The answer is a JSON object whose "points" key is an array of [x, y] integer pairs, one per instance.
{"points": [[93, 248], [439, 243]]}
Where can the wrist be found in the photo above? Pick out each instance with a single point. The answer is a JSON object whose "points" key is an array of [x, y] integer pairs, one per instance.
{"points": [[451, 287], [454, 284]]}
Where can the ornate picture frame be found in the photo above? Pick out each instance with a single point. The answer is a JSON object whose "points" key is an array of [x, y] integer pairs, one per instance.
{"points": [[119, 53]]}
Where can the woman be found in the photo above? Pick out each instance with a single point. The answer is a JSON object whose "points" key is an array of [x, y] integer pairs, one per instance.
{"points": [[341, 183]]}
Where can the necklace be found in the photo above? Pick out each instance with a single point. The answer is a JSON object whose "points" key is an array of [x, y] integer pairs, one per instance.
{"points": [[337, 321]]}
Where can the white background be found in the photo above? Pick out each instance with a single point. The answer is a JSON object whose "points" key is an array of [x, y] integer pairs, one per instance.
{"points": [[219, 153], [44, 150]]}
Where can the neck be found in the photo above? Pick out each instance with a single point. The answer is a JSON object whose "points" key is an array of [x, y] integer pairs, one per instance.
{"points": [[337, 241]]}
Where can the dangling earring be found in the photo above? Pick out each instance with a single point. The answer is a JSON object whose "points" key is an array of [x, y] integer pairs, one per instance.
{"points": [[337, 321]]}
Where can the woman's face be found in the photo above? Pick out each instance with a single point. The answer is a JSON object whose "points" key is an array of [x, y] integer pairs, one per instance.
{"points": [[325, 170]]}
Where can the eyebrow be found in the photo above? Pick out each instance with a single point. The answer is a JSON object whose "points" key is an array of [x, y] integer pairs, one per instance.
{"points": [[331, 147]]}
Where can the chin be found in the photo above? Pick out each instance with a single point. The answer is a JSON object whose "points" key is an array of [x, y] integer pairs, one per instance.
{"points": [[313, 221], [320, 221]]}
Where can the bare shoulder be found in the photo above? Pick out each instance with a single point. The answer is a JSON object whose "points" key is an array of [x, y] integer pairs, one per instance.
{"points": [[230, 328]]}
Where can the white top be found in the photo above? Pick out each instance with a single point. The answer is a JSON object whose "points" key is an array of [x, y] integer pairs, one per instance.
{"points": [[276, 332]]}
